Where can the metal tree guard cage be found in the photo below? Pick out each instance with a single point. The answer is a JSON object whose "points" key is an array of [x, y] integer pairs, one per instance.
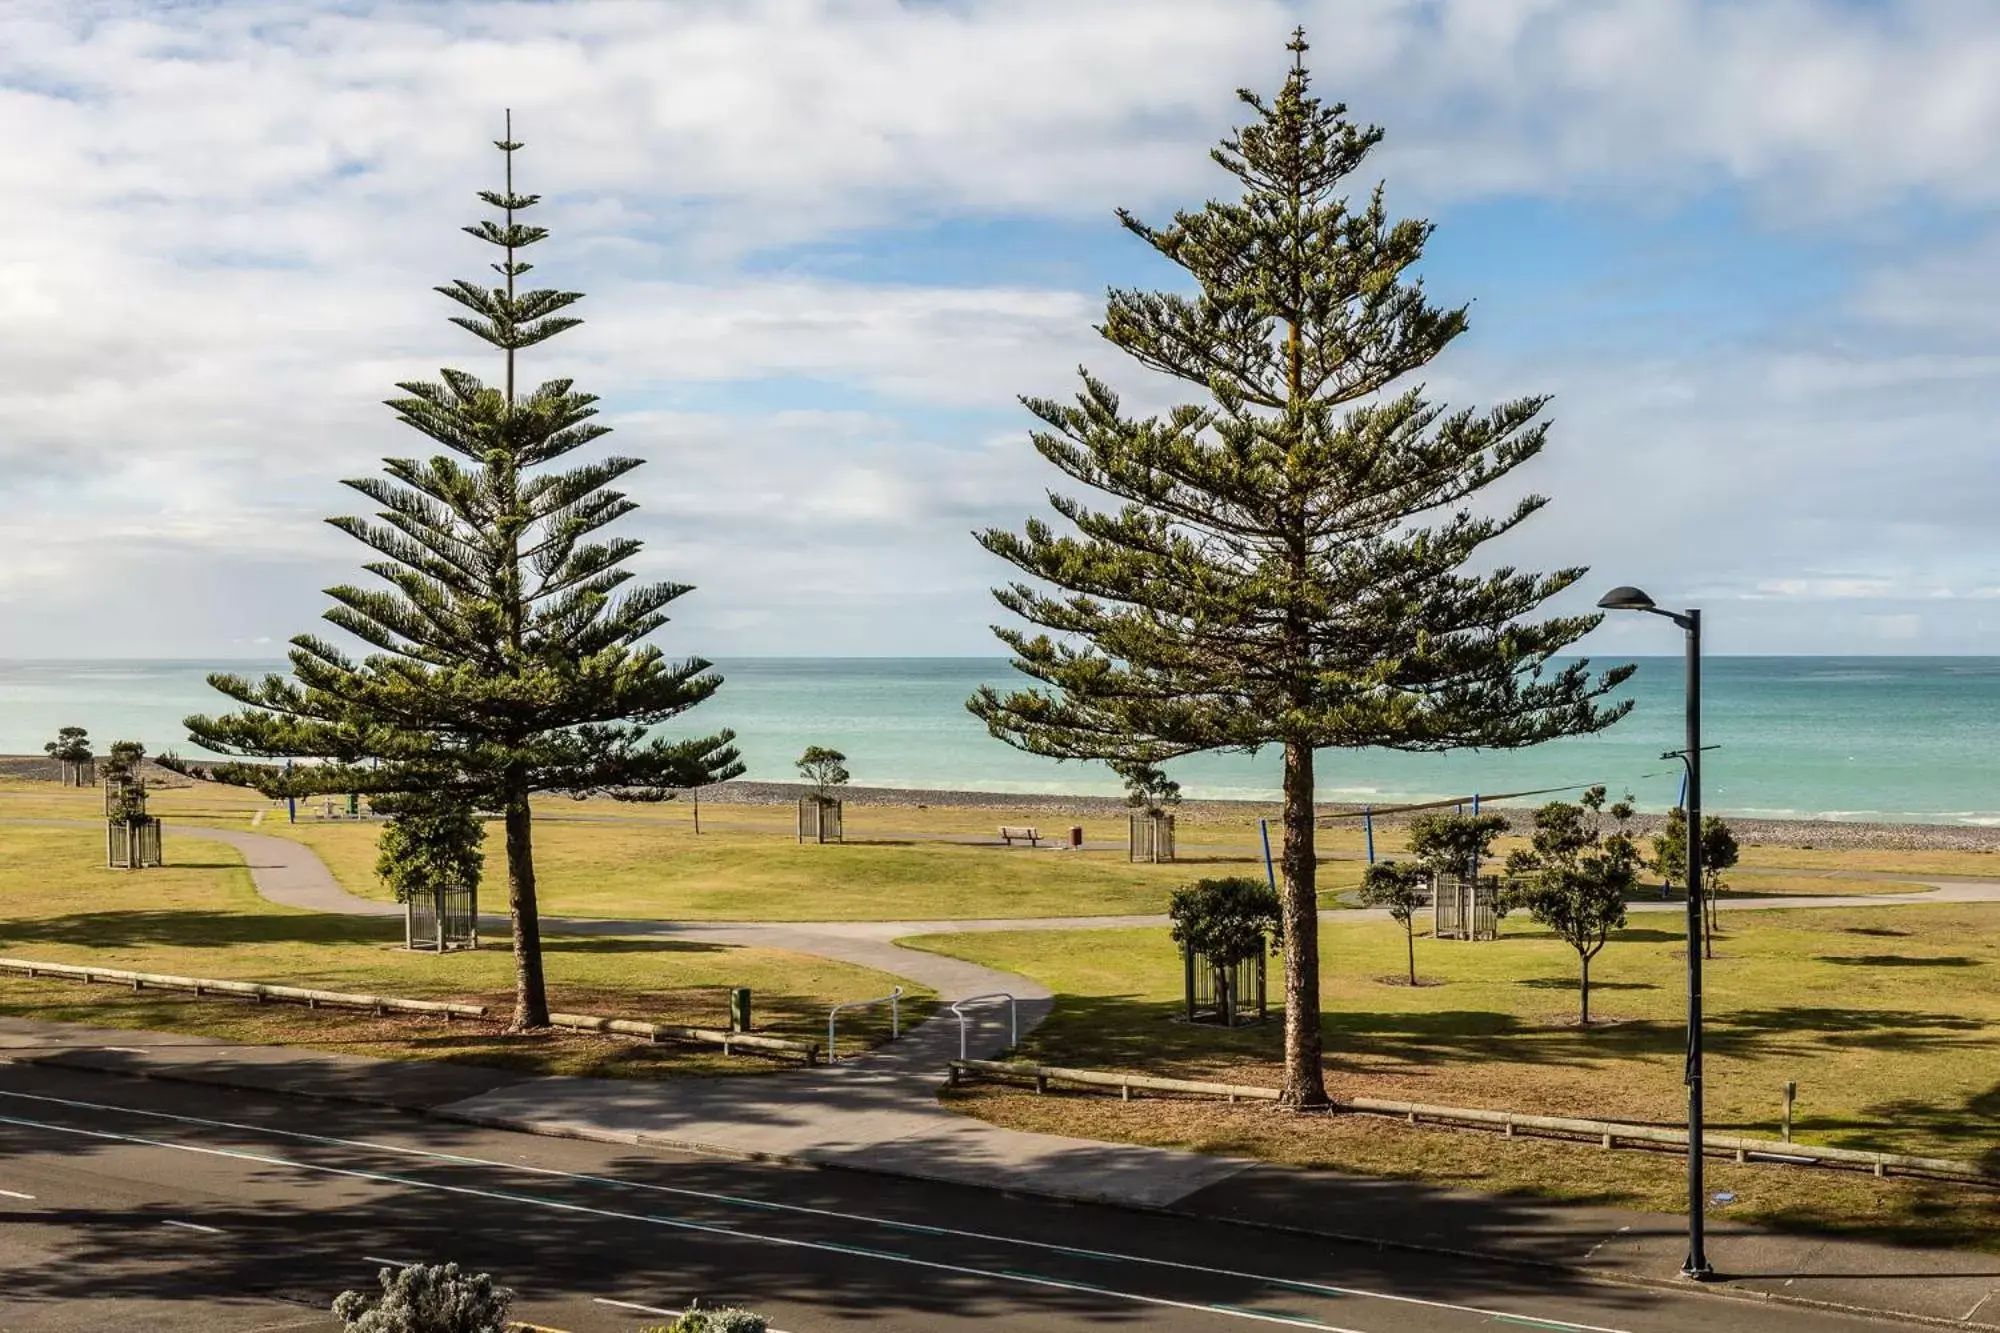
{"points": [[1228, 995], [1465, 909], [819, 819], [442, 920], [1152, 837]]}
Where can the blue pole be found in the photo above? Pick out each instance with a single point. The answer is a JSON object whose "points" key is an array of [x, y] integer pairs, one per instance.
{"points": [[1475, 805], [1264, 827], [291, 802], [1368, 822]]}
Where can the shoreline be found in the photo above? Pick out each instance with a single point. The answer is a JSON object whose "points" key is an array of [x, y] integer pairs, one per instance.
{"points": [[1806, 833]]}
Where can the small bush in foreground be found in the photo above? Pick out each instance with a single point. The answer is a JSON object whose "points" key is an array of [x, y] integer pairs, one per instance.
{"points": [[427, 1298], [726, 1320]]}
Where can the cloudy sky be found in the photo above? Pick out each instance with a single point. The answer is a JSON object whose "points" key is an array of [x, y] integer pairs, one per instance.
{"points": [[1750, 250]]}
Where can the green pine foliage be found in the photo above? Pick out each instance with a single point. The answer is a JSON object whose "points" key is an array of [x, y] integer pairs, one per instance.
{"points": [[510, 649], [1284, 560]]}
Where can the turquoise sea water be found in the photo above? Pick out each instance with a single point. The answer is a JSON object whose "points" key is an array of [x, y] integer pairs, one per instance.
{"points": [[1905, 739]]}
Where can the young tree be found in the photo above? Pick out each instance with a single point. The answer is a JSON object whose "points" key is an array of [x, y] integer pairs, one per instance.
{"points": [[1405, 891], [122, 762], [1147, 787], [1670, 849], [1719, 853], [825, 769], [1225, 921], [71, 750], [511, 651], [1285, 562], [1453, 844], [433, 841], [1576, 875]]}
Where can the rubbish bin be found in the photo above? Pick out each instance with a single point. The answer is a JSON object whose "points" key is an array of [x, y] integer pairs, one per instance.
{"points": [[739, 1009], [1075, 836]]}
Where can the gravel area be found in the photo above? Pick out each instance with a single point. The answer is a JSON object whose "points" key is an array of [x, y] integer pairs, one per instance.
{"points": [[1826, 834]]}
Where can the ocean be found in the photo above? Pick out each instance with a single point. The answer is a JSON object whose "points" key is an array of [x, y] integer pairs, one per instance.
{"points": [[1866, 738]]}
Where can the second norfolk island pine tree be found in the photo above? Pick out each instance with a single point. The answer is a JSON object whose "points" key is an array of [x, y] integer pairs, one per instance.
{"points": [[1284, 562], [510, 652]]}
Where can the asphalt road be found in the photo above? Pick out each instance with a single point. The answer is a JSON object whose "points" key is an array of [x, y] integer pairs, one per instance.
{"points": [[138, 1205]]}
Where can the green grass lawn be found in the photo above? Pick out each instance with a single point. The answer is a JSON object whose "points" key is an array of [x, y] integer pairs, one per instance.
{"points": [[654, 869], [1887, 1018], [200, 916]]}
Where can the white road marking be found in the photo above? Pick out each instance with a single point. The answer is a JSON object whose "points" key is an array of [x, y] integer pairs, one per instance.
{"points": [[634, 1305], [701, 1228], [393, 1263], [16, 1194], [189, 1226], [831, 1214]]}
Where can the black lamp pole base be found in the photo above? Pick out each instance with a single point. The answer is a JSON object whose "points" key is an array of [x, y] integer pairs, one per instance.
{"points": [[1698, 1272]]}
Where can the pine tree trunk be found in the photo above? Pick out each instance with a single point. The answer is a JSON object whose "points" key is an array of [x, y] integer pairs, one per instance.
{"points": [[1305, 1081], [531, 1000], [1584, 1017], [1410, 939]]}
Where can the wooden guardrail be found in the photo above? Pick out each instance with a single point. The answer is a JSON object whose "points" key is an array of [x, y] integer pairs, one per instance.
{"points": [[730, 1042], [256, 990], [386, 1004], [1607, 1133]]}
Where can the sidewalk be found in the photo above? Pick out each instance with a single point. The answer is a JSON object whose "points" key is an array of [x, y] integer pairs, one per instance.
{"points": [[873, 1114]]}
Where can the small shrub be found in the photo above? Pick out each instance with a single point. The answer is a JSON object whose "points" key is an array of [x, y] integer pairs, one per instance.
{"points": [[729, 1319], [1225, 920], [431, 842], [427, 1298]]}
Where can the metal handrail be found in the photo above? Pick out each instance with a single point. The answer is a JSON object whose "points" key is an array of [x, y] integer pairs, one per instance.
{"points": [[1013, 1018], [895, 1002]]}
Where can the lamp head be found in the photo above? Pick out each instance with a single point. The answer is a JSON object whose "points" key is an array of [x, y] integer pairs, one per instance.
{"points": [[1626, 599]]}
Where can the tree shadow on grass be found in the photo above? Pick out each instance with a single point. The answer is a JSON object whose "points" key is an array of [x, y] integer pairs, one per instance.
{"points": [[1896, 960], [1804, 1031], [1575, 983], [197, 929], [1972, 1127], [582, 944]]}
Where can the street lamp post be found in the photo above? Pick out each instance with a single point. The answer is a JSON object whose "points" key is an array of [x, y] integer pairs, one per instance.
{"points": [[1631, 599]]}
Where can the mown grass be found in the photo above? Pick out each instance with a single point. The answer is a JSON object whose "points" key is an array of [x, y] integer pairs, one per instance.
{"points": [[200, 916], [1887, 1018], [658, 870]]}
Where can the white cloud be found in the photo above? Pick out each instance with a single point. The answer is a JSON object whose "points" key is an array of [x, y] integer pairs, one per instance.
{"points": [[224, 217]]}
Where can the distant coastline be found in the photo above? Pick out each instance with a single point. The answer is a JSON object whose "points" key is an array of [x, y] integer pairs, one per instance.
{"points": [[1805, 740]]}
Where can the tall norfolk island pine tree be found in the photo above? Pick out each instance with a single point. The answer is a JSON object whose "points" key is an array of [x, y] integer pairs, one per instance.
{"points": [[1285, 562], [510, 654]]}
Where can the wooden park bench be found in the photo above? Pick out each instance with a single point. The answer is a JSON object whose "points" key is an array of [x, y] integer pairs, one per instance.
{"points": [[1010, 834]]}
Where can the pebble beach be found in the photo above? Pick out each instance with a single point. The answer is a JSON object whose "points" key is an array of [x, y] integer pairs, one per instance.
{"points": [[1821, 834]]}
